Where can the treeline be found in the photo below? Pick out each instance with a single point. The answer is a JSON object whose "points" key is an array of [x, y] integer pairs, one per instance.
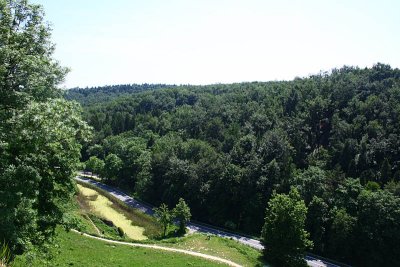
{"points": [[226, 148], [94, 95]]}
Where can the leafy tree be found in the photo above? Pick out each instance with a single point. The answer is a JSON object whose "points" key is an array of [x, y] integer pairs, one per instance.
{"points": [[38, 159], [27, 70], [94, 164], [39, 136], [316, 223], [341, 233], [182, 213], [393, 187], [372, 186], [311, 182], [143, 178], [283, 233], [95, 150], [386, 172], [164, 216], [112, 166], [378, 229]]}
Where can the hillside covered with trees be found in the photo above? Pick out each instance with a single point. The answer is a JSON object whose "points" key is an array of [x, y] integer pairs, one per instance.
{"points": [[226, 149]]}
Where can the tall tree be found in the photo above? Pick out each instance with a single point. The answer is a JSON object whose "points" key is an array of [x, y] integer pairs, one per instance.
{"points": [[95, 165], [164, 216], [112, 166], [39, 137], [182, 213], [283, 234], [27, 68], [37, 162]]}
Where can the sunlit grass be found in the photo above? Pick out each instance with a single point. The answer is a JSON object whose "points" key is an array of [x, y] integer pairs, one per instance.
{"points": [[75, 250], [153, 230], [218, 246], [103, 207]]}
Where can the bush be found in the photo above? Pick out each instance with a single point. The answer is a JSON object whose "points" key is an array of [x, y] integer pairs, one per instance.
{"points": [[120, 232]]}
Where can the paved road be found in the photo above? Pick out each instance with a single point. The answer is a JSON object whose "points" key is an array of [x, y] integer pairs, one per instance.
{"points": [[313, 262]]}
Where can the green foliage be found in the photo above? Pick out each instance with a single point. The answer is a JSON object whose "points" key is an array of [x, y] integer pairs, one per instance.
{"points": [[106, 229], [40, 136], [372, 186], [95, 165], [120, 232], [283, 234], [181, 212], [164, 217], [386, 171], [311, 182], [27, 70], [225, 148], [41, 152], [341, 233], [5, 255], [378, 229], [393, 187], [316, 222], [112, 165]]}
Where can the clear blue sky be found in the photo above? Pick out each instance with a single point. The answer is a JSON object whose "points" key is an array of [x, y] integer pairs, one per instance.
{"points": [[217, 41]]}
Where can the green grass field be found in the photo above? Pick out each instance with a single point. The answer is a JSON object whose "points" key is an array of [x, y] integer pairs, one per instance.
{"points": [[217, 246], [75, 250]]}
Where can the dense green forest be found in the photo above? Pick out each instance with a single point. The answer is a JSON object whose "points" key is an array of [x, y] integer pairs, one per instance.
{"points": [[226, 148], [94, 95]]}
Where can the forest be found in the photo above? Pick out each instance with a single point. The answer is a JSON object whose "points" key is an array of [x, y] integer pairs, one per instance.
{"points": [[227, 148]]}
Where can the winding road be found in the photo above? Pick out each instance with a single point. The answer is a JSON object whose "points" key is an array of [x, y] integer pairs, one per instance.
{"points": [[193, 227]]}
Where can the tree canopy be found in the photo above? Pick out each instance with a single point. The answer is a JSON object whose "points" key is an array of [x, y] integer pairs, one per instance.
{"points": [[40, 135], [182, 214], [283, 234]]}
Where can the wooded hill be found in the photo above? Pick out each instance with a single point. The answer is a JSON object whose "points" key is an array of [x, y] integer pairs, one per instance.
{"points": [[225, 148]]}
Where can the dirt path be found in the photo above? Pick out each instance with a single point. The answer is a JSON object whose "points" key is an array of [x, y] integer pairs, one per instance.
{"points": [[188, 252]]}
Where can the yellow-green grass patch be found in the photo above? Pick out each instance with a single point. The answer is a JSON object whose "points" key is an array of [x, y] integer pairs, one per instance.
{"points": [[103, 207]]}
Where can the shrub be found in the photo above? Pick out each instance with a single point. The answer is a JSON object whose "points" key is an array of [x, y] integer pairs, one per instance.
{"points": [[120, 232]]}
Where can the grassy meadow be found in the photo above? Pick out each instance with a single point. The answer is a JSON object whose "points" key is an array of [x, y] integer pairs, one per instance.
{"points": [[217, 246], [72, 249]]}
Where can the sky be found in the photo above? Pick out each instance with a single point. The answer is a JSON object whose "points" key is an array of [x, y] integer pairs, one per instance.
{"points": [[107, 42]]}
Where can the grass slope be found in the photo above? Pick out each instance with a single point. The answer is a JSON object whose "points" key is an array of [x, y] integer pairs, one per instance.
{"points": [[152, 228], [76, 250], [103, 207], [218, 246]]}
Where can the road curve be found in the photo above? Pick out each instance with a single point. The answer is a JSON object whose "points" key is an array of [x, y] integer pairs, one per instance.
{"points": [[311, 261], [188, 252]]}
